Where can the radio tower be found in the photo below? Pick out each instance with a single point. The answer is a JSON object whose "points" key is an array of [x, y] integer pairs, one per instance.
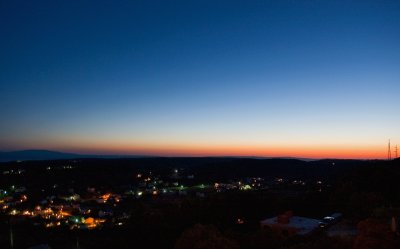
{"points": [[395, 151], [389, 152]]}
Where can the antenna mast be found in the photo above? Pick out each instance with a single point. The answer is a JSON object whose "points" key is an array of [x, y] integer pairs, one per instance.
{"points": [[395, 151], [389, 152]]}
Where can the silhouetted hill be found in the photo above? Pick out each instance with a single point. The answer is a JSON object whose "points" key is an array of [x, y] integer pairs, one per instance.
{"points": [[42, 155], [25, 155], [32, 155], [120, 171]]}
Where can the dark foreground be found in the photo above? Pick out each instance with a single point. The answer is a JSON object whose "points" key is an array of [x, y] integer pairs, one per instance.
{"points": [[197, 203]]}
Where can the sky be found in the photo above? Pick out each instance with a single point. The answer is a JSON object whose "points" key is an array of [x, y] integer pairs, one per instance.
{"points": [[315, 79]]}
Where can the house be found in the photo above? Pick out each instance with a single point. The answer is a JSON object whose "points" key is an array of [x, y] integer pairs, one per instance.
{"points": [[330, 220], [288, 225]]}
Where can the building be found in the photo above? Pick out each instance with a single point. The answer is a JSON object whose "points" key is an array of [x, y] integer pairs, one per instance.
{"points": [[330, 220], [288, 225]]}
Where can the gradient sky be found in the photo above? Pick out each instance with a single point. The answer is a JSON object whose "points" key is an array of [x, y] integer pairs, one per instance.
{"points": [[266, 78]]}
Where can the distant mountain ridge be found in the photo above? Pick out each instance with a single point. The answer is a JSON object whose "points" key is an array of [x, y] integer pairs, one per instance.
{"points": [[32, 155], [26, 155], [35, 155]]}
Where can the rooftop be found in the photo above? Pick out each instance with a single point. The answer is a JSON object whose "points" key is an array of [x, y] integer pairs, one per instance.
{"points": [[303, 225]]}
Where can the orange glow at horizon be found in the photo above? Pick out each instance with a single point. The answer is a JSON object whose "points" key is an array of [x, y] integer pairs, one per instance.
{"points": [[190, 150], [310, 148]]}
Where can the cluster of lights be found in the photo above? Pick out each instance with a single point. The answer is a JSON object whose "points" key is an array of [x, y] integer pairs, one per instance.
{"points": [[245, 187], [54, 216]]}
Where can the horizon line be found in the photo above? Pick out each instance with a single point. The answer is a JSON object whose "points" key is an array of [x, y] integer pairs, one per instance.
{"points": [[127, 155]]}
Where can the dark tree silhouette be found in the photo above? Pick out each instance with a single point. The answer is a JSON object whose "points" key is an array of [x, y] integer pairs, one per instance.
{"points": [[204, 237], [375, 234]]}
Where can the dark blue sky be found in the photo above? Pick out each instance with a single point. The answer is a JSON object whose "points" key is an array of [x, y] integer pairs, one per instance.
{"points": [[148, 76]]}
